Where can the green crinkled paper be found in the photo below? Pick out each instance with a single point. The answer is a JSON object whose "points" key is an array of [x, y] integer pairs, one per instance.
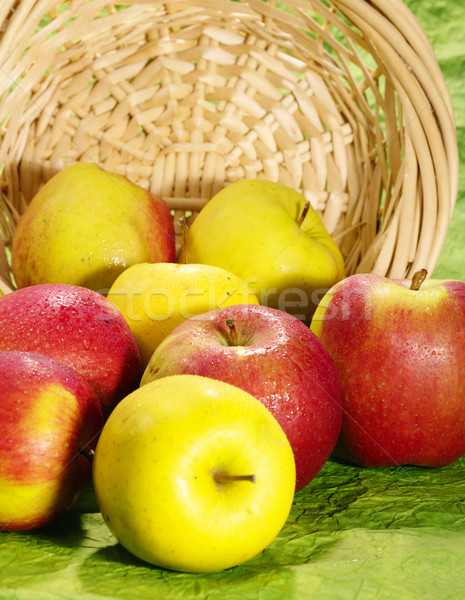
{"points": [[353, 533]]}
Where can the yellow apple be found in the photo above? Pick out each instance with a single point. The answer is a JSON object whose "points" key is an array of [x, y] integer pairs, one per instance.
{"points": [[271, 237], [193, 474], [155, 298], [85, 226]]}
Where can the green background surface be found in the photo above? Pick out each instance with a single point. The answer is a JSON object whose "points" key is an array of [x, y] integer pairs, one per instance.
{"points": [[353, 533]]}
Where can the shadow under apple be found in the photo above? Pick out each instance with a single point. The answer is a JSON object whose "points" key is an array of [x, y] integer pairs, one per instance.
{"points": [[112, 571], [37, 557]]}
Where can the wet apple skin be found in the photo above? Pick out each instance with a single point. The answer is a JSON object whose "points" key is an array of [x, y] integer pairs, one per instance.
{"points": [[400, 354]]}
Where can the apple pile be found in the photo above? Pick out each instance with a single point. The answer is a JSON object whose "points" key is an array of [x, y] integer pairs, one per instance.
{"points": [[199, 393]]}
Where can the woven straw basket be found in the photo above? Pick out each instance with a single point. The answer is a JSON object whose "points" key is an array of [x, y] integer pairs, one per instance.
{"points": [[341, 99]]}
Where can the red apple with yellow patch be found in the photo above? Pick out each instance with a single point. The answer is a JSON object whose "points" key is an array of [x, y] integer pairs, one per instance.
{"points": [[50, 419], [399, 348]]}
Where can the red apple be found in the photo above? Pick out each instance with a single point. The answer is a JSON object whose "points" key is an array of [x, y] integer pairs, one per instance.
{"points": [[400, 354], [50, 418], [79, 327], [273, 356]]}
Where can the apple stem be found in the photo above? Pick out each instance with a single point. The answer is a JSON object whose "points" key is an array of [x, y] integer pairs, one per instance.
{"points": [[224, 478], [87, 452], [418, 278], [305, 210], [232, 331]]}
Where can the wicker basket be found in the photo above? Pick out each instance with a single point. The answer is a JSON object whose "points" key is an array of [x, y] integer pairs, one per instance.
{"points": [[341, 99]]}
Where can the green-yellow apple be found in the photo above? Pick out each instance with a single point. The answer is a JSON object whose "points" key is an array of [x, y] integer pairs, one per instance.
{"points": [[50, 419], [85, 226], [155, 298], [79, 327], [399, 348], [193, 474], [272, 238], [274, 357]]}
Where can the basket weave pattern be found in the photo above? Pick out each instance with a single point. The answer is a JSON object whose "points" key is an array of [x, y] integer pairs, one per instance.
{"points": [[343, 100]]}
